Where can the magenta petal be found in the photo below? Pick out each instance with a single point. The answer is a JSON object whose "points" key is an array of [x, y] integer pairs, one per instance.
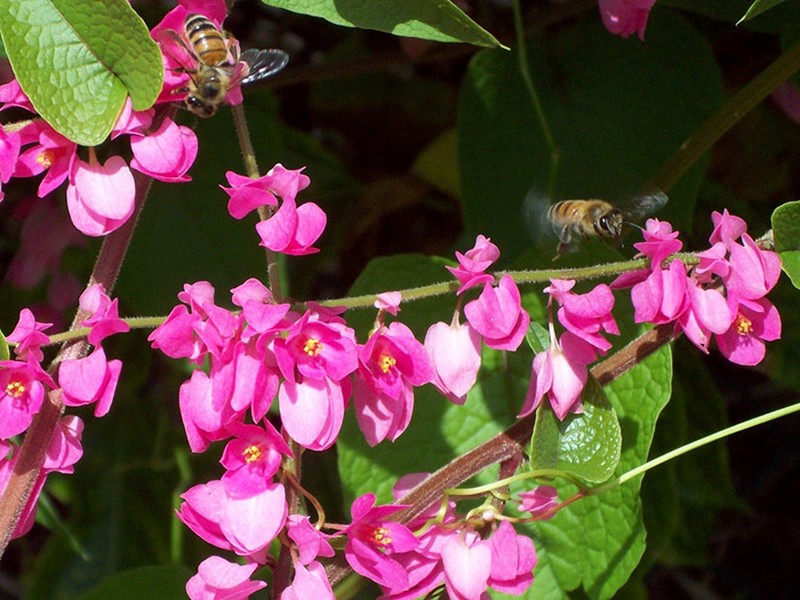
{"points": [[106, 190], [252, 523], [467, 568]]}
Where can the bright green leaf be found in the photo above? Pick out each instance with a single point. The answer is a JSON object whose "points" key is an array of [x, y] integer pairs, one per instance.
{"points": [[5, 351], [77, 61], [790, 263], [758, 7], [437, 20], [538, 338], [786, 226], [586, 445]]}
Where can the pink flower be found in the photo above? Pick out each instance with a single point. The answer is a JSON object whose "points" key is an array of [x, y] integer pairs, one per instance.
{"points": [[21, 395], [258, 307], [243, 525], [219, 579], [473, 264], [467, 561], [561, 373], [513, 560], [166, 154], [455, 354], [624, 17], [292, 230], [29, 337], [585, 315], [391, 364], [10, 143], [308, 583], [205, 416], [65, 448], [497, 315], [12, 95], [131, 122], [316, 349], [539, 501], [90, 380], [754, 322], [252, 458], [310, 542], [312, 411], [372, 540], [104, 314], [389, 302], [51, 152], [247, 194], [100, 198]]}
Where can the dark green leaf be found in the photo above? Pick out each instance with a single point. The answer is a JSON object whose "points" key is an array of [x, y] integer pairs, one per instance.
{"points": [[145, 582], [77, 61], [786, 226], [538, 337], [5, 351], [437, 20], [617, 110]]}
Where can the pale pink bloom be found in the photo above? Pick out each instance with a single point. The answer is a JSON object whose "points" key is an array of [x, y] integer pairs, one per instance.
{"points": [[104, 314], [312, 411], [28, 336], [293, 229], [467, 561], [389, 302], [727, 227], [65, 448], [455, 354], [246, 526], [90, 380], [560, 372], [473, 264], [309, 583], [205, 416], [497, 315], [309, 541], [100, 198], [252, 458], [166, 154], [707, 313], [539, 501], [624, 17], [219, 579]]}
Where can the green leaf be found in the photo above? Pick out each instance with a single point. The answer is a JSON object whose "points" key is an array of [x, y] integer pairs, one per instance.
{"points": [[617, 111], [585, 445], [538, 337], [145, 582], [758, 7], [77, 61], [597, 542], [5, 350], [786, 226], [790, 263], [437, 20]]}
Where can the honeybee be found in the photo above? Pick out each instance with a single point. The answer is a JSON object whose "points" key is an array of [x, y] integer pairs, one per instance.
{"points": [[213, 74], [599, 218]]}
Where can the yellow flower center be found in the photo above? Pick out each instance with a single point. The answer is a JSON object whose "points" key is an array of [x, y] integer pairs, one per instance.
{"points": [[252, 453], [15, 389], [312, 347], [386, 362], [45, 158], [744, 326], [380, 536]]}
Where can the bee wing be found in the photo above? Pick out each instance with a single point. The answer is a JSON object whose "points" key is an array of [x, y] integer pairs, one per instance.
{"points": [[640, 206], [263, 63], [536, 207]]}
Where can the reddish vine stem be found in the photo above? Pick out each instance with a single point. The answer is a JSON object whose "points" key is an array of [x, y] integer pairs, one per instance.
{"points": [[507, 447], [40, 434]]}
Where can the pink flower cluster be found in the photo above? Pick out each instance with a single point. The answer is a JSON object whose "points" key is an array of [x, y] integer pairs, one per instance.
{"points": [[624, 17], [82, 381], [722, 297]]}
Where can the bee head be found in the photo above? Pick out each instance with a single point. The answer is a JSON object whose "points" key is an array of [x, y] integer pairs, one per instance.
{"points": [[611, 223], [199, 106]]}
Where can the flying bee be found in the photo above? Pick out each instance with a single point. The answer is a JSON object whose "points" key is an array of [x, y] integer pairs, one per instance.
{"points": [[597, 218], [218, 65]]}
